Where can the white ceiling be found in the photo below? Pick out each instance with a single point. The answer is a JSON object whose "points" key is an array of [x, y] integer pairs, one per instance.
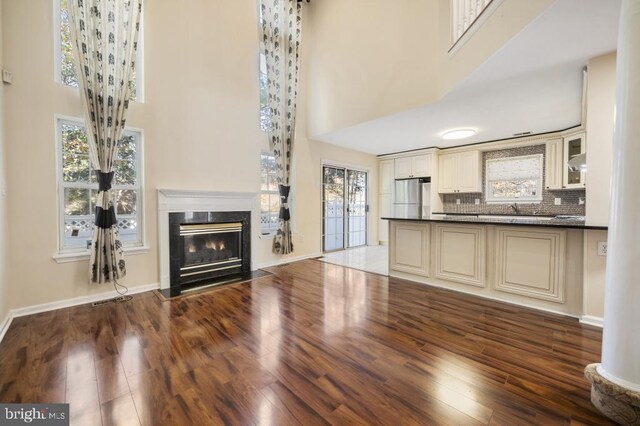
{"points": [[533, 83]]}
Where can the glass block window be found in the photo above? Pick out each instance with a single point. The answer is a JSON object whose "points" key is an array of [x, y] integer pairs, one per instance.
{"points": [[78, 187], [64, 52], [269, 195], [514, 179]]}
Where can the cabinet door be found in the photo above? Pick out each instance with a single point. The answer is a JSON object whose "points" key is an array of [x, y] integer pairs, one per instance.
{"points": [[421, 165], [409, 248], [448, 173], [403, 167], [573, 146], [469, 172], [386, 170], [460, 253], [531, 262], [553, 164]]}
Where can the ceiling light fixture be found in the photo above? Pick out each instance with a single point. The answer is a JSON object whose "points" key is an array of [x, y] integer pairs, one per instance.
{"points": [[458, 134]]}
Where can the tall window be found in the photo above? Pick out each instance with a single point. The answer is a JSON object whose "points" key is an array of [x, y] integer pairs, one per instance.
{"points": [[269, 195], [265, 117], [64, 52], [78, 188], [515, 179]]}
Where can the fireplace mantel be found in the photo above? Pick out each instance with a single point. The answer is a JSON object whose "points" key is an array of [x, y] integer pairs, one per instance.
{"points": [[180, 200]]}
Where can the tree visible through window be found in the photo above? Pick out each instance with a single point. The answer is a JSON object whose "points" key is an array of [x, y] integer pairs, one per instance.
{"points": [[79, 188], [269, 195], [67, 67]]}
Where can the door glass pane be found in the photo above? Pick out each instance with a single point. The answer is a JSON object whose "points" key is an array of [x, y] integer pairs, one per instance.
{"points": [[357, 207], [333, 208]]}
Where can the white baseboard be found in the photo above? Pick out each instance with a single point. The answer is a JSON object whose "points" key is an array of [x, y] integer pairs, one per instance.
{"points": [[66, 303], [5, 325], [592, 320], [288, 260]]}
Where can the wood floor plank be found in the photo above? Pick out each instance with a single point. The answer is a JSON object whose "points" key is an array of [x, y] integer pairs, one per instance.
{"points": [[314, 343]]}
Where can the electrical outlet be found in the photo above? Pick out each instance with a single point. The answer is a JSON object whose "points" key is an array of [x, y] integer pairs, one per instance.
{"points": [[602, 248], [477, 201], [457, 200], [581, 201], [557, 201]]}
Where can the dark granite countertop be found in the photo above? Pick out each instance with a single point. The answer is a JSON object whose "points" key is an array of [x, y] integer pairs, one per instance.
{"points": [[574, 222]]}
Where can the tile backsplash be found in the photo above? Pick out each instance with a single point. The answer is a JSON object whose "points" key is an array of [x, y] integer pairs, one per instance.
{"points": [[569, 198]]}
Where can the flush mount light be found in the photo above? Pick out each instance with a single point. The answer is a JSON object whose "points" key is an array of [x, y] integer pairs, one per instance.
{"points": [[458, 134]]}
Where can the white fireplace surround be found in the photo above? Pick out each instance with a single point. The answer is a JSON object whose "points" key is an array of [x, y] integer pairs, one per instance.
{"points": [[178, 200]]}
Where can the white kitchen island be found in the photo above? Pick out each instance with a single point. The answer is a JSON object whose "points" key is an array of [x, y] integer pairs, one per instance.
{"points": [[531, 262]]}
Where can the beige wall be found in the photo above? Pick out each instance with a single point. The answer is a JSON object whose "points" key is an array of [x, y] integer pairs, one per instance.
{"points": [[4, 303], [368, 59], [594, 274], [200, 122], [509, 19], [601, 99], [373, 58]]}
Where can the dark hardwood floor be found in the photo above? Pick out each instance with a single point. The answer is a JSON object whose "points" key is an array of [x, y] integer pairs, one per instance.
{"points": [[314, 343]]}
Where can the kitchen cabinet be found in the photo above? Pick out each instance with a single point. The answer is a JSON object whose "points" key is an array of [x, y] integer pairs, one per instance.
{"points": [[558, 152], [573, 145], [553, 164], [531, 263], [409, 248], [414, 166], [460, 253], [386, 173], [460, 172]]}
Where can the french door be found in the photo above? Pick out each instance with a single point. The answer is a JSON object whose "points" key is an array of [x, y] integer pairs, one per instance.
{"points": [[344, 208]]}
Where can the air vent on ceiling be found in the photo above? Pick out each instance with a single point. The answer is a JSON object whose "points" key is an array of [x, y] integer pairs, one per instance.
{"points": [[521, 134]]}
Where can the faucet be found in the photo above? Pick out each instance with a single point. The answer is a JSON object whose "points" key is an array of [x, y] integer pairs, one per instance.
{"points": [[514, 207]]}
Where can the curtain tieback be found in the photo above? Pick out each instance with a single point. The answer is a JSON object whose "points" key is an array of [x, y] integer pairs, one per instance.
{"points": [[105, 218], [104, 180]]}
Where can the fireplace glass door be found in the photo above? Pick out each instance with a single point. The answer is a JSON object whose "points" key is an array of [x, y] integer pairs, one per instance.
{"points": [[210, 248]]}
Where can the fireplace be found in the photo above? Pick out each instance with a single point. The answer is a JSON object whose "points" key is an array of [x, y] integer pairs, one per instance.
{"points": [[206, 248]]}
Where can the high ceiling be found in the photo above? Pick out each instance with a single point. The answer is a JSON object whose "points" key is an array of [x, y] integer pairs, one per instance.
{"points": [[532, 84]]}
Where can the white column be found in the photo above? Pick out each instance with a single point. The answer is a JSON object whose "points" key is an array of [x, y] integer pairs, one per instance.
{"points": [[621, 339]]}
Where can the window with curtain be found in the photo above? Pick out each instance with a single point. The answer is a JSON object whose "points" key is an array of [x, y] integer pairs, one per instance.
{"points": [[269, 196], [78, 187], [66, 71], [514, 179]]}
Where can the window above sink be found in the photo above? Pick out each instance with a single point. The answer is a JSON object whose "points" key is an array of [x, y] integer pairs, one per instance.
{"points": [[514, 179]]}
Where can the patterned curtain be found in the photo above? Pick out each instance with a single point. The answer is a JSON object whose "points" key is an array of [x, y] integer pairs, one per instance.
{"points": [[104, 34], [281, 31]]}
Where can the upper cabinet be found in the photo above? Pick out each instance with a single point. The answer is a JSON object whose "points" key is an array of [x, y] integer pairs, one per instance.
{"points": [[460, 172], [553, 167], [573, 146], [557, 154], [413, 167], [386, 176]]}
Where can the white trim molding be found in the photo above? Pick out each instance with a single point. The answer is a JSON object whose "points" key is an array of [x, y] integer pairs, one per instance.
{"points": [[85, 255], [178, 200], [592, 320], [67, 303]]}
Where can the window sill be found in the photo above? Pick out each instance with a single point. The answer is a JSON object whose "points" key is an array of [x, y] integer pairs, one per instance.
{"points": [[79, 256], [267, 236]]}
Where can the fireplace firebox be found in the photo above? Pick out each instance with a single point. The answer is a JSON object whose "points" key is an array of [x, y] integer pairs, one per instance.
{"points": [[206, 248]]}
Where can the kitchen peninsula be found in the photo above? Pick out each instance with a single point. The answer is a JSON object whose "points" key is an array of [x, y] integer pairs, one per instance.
{"points": [[525, 260]]}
